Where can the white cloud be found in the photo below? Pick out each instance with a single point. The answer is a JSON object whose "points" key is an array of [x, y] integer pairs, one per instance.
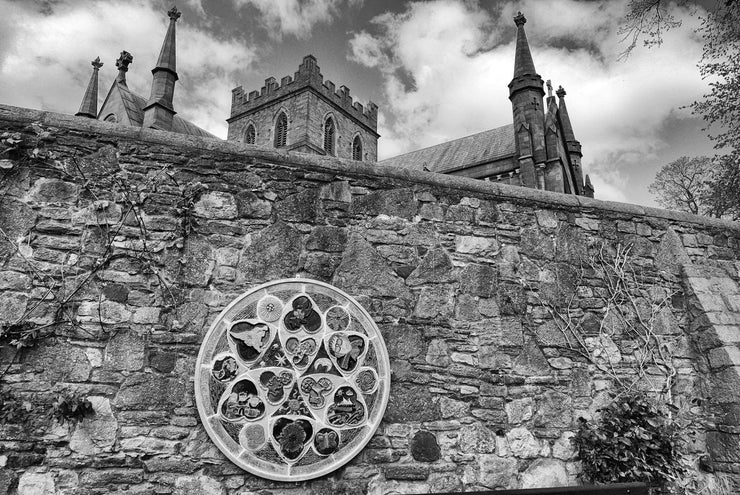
{"points": [[296, 17], [447, 63], [42, 64]]}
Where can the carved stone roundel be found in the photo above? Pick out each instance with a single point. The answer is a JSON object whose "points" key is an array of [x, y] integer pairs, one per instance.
{"points": [[292, 379]]}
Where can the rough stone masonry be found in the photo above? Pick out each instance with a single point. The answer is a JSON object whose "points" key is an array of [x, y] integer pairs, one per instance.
{"points": [[120, 245]]}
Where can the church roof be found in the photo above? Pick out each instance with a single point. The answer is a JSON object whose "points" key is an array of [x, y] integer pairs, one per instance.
{"points": [[483, 147], [134, 105]]}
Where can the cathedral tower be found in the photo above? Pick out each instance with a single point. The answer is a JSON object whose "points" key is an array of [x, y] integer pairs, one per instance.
{"points": [[305, 113]]}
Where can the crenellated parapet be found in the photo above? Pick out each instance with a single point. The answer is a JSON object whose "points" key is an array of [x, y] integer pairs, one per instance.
{"points": [[307, 76]]}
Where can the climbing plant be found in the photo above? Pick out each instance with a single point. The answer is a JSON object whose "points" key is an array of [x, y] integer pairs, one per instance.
{"points": [[115, 211], [627, 305]]}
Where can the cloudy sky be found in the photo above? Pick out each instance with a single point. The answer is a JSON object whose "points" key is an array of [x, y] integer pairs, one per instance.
{"points": [[437, 69]]}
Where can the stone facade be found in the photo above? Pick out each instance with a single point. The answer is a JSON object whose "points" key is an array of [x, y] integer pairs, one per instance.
{"points": [[307, 101], [121, 245]]}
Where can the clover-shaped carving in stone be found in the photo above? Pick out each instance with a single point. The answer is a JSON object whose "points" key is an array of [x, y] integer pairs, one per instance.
{"points": [[275, 384], [242, 402], [316, 391], [346, 409], [301, 350], [326, 441], [346, 350], [250, 338], [303, 315], [292, 436]]}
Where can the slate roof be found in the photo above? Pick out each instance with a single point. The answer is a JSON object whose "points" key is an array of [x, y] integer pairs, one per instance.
{"points": [[483, 147], [134, 108]]}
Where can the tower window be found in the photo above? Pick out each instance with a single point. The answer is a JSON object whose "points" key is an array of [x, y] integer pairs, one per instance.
{"points": [[329, 136], [281, 131], [250, 134], [357, 148]]}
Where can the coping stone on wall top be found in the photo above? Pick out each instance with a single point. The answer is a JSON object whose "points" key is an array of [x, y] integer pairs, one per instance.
{"points": [[10, 113]]}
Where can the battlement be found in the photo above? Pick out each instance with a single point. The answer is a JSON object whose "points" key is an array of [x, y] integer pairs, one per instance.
{"points": [[308, 75]]}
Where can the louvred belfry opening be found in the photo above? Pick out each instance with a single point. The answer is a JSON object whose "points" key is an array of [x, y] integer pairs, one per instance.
{"points": [[281, 131], [249, 135], [329, 136], [357, 149]]}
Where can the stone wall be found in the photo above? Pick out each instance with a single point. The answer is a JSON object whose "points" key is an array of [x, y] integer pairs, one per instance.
{"points": [[120, 245]]}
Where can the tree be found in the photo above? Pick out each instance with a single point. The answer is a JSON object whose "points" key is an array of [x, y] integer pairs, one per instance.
{"points": [[720, 63], [647, 20], [724, 187], [718, 193], [686, 185]]}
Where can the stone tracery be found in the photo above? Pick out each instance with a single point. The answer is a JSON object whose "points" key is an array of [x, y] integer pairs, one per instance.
{"points": [[292, 379]]}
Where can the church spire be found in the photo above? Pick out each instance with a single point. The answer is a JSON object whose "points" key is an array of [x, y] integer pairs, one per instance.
{"points": [[525, 93], [523, 63], [571, 143], [525, 75], [564, 118], [89, 106], [158, 112]]}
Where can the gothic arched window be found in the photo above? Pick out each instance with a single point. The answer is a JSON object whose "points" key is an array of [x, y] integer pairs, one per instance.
{"points": [[281, 130], [250, 134], [357, 148], [329, 136]]}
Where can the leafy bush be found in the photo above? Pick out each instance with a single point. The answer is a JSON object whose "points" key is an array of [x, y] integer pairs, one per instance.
{"points": [[635, 440]]}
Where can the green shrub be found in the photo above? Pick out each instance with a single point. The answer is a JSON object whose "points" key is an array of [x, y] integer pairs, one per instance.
{"points": [[635, 440]]}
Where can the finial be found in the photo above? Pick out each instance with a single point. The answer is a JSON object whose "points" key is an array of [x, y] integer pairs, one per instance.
{"points": [[97, 64], [122, 65], [123, 60], [174, 14], [519, 19], [549, 88], [560, 92]]}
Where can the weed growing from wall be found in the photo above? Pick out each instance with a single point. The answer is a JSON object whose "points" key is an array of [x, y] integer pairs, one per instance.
{"points": [[70, 407]]}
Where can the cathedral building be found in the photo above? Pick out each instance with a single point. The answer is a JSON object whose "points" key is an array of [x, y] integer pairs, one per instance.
{"points": [[307, 114], [539, 149], [126, 107]]}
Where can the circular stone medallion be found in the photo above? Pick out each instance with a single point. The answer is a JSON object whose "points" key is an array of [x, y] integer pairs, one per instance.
{"points": [[292, 380]]}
